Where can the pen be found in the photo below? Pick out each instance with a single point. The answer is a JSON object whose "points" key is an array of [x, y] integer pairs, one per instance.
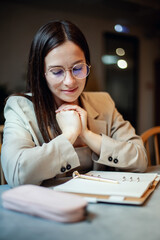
{"points": [[77, 175]]}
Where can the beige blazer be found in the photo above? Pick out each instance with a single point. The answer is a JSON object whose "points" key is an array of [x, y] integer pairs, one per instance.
{"points": [[26, 158]]}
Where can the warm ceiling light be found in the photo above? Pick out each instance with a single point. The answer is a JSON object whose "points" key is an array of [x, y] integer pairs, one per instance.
{"points": [[120, 51]]}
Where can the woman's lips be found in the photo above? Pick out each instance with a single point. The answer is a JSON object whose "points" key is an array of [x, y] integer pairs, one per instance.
{"points": [[70, 90]]}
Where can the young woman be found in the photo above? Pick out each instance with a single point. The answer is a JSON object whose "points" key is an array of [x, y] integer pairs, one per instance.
{"points": [[57, 128]]}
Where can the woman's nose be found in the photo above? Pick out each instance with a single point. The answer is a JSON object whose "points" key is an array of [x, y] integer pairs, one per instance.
{"points": [[69, 79]]}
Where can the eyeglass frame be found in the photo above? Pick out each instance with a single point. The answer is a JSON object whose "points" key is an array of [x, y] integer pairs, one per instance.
{"points": [[71, 69]]}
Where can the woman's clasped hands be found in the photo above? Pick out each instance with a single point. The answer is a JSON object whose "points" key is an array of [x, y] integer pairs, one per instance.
{"points": [[72, 121]]}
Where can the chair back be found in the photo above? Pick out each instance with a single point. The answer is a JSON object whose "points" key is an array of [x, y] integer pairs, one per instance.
{"points": [[151, 135]]}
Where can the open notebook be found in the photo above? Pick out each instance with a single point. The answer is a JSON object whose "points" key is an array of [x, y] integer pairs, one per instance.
{"points": [[132, 188]]}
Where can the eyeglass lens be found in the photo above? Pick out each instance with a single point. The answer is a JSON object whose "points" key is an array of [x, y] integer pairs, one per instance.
{"points": [[80, 71]]}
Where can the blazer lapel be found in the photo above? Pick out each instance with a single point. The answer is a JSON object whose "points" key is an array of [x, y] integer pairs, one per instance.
{"points": [[94, 123]]}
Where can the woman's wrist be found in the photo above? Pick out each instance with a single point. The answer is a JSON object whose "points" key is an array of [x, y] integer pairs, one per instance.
{"points": [[92, 140], [70, 136], [85, 135]]}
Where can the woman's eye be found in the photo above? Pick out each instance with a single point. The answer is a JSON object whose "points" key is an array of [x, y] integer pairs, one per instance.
{"points": [[56, 72], [78, 68]]}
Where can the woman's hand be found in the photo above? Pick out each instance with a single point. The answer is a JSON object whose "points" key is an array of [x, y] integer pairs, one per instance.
{"points": [[91, 139], [81, 112], [69, 123]]}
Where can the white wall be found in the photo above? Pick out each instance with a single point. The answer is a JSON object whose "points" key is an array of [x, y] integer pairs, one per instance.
{"points": [[20, 22]]}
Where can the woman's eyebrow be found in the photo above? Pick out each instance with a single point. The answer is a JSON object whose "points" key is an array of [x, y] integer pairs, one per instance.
{"points": [[53, 66], [79, 61]]}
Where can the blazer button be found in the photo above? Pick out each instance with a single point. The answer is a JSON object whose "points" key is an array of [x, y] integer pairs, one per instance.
{"points": [[68, 166], [110, 159], [115, 160], [63, 169]]}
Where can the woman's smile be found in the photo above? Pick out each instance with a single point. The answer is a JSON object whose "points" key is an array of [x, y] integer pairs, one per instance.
{"points": [[70, 91]]}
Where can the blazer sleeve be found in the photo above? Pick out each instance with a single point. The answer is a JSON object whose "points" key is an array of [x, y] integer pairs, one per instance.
{"points": [[24, 159], [121, 148]]}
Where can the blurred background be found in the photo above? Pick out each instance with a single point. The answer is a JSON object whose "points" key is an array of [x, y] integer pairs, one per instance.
{"points": [[124, 40]]}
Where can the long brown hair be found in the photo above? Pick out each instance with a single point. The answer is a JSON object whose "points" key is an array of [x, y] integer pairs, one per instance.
{"points": [[49, 36]]}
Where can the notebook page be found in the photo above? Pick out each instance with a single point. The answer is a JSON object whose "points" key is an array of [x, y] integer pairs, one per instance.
{"points": [[128, 187]]}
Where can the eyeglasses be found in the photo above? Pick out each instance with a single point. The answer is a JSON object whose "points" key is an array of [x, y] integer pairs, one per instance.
{"points": [[79, 71]]}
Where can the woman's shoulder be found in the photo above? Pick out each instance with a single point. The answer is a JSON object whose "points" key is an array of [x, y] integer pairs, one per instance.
{"points": [[24, 97], [19, 101], [19, 107]]}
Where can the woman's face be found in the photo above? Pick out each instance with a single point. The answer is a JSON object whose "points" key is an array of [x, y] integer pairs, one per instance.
{"points": [[66, 56]]}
